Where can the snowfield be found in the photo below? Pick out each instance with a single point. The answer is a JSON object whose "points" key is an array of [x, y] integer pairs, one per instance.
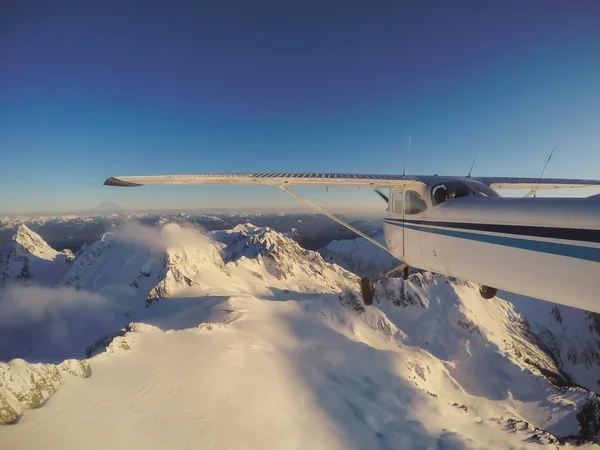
{"points": [[243, 339]]}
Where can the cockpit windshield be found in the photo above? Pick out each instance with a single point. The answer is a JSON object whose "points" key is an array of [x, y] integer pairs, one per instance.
{"points": [[456, 189]]}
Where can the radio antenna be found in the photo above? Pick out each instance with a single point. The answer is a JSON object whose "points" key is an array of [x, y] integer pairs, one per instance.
{"points": [[474, 159], [406, 159], [543, 170]]}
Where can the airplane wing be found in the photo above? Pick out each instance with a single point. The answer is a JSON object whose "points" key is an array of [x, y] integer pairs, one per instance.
{"points": [[269, 179], [336, 179], [536, 183]]}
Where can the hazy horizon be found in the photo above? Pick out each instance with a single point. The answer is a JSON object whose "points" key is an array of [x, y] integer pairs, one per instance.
{"points": [[191, 210]]}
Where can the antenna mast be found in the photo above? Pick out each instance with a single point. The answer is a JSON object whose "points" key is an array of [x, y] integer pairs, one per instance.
{"points": [[474, 159], [543, 170], [406, 159]]}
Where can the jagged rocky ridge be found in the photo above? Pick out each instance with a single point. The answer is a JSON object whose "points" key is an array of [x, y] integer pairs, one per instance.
{"points": [[24, 385], [280, 256]]}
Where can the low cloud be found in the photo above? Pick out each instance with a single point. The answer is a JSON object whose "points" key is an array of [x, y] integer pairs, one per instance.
{"points": [[22, 305], [168, 236], [60, 321]]}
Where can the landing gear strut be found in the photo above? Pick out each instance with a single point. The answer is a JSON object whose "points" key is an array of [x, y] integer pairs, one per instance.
{"points": [[487, 292], [367, 290]]}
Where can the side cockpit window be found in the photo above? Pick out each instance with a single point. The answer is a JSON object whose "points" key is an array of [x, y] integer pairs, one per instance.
{"points": [[439, 194], [480, 189], [451, 190], [414, 203]]}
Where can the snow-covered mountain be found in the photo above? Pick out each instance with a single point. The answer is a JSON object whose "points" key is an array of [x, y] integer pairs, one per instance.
{"points": [[160, 263], [27, 257], [258, 342], [154, 265]]}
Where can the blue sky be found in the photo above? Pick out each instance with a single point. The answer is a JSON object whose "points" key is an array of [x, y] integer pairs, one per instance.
{"points": [[127, 88]]}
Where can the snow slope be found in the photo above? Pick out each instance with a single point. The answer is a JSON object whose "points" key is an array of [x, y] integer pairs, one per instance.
{"points": [[304, 373], [258, 343]]}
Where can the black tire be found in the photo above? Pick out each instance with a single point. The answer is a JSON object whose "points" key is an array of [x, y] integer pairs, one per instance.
{"points": [[487, 292], [367, 291]]}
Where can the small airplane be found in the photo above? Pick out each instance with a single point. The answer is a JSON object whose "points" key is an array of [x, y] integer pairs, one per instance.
{"points": [[460, 227]]}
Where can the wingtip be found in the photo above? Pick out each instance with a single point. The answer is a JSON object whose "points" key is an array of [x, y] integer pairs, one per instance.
{"points": [[114, 181]]}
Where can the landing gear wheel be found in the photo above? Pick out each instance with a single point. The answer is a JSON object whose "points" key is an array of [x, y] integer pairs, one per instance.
{"points": [[487, 292], [405, 272], [367, 291]]}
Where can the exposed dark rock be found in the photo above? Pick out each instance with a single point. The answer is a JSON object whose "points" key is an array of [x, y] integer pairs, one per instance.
{"points": [[352, 300]]}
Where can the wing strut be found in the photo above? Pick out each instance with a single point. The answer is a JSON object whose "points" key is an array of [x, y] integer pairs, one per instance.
{"points": [[337, 219]]}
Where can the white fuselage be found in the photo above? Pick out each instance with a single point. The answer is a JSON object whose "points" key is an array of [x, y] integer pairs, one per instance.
{"points": [[544, 248]]}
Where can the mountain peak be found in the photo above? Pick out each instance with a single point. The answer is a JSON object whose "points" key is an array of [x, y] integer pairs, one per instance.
{"points": [[30, 240], [23, 231], [245, 227]]}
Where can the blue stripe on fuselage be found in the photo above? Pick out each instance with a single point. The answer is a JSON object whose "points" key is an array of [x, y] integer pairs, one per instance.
{"points": [[554, 248]]}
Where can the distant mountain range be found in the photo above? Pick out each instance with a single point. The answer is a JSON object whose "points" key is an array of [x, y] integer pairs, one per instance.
{"points": [[312, 231]]}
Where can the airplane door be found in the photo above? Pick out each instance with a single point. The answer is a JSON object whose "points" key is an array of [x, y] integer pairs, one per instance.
{"points": [[394, 226], [414, 210]]}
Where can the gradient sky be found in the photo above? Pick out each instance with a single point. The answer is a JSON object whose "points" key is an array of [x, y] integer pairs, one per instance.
{"points": [[126, 88]]}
